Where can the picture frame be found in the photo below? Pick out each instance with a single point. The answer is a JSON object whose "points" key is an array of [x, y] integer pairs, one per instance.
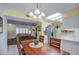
{"points": [[1, 24]]}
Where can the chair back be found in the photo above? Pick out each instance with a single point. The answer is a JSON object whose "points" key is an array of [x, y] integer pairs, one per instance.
{"points": [[41, 39], [18, 45]]}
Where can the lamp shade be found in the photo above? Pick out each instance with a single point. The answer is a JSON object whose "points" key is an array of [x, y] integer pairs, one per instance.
{"points": [[34, 16], [31, 14], [37, 12], [42, 14], [40, 17]]}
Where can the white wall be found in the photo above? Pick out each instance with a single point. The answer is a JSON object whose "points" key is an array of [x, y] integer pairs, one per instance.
{"points": [[71, 47], [12, 29], [71, 22], [3, 37]]}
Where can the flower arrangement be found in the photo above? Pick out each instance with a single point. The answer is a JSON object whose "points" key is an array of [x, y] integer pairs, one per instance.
{"points": [[35, 41]]}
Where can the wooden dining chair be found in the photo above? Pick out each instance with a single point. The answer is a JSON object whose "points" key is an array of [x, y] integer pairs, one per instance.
{"points": [[19, 46], [55, 42], [41, 39]]}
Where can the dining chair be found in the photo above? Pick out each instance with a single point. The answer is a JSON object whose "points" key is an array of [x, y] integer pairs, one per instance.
{"points": [[41, 38], [19, 46]]}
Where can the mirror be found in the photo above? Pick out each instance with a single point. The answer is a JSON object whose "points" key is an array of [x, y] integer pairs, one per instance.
{"points": [[1, 25]]}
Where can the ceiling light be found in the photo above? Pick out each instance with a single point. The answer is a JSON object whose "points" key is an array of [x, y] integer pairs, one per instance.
{"points": [[37, 11], [59, 17], [54, 15], [40, 17], [31, 13], [42, 14], [34, 16]]}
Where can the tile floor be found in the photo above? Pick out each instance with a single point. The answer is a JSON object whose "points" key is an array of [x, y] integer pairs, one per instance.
{"points": [[12, 50]]}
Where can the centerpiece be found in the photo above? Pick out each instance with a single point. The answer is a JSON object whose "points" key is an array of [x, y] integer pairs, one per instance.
{"points": [[35, 41], [35, 44]]}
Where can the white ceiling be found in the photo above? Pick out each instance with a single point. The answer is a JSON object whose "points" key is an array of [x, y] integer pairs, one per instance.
{"points": [[48, 8]]}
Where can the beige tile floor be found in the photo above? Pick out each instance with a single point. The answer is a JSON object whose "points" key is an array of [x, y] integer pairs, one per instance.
{"points": [[12, 50]]}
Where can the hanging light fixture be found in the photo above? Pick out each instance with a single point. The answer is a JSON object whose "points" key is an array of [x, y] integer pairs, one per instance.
{"points": [[37, 13], [31, 14], [42, 14]]}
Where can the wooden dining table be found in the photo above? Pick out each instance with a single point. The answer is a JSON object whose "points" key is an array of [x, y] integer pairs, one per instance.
{"points": [[44, 50]]}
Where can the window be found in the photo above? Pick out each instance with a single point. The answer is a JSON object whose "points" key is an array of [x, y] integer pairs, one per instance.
{"points": [[26, 30], [22, 30], [17, 30]]}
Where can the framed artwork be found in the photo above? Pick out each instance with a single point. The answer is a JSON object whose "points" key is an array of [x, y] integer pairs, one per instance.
{"points": [[1, 25]]}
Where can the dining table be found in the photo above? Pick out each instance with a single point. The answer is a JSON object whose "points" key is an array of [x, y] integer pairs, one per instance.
{"points": [[46, 49]]}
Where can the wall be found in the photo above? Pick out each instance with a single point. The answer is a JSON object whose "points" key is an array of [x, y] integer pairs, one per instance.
{"points": [[3, 37], [71, 22], [12, 29], [71, 47], [71, 18], [44, 25]]}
